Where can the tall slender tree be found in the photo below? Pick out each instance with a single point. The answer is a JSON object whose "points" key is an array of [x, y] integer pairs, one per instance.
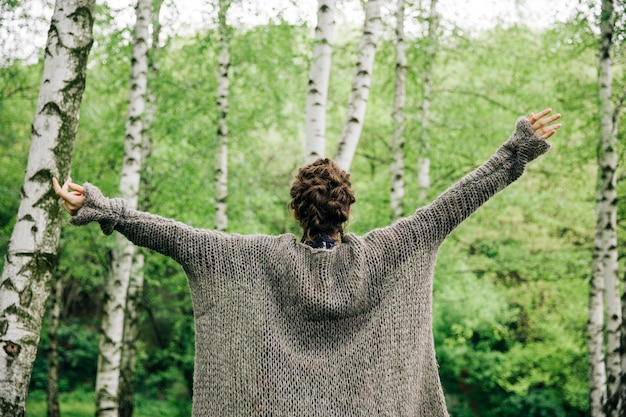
{"points": [[397, 143], [128, 361], [122, 254], [136, 281], [319, 75], [31, 253], [221, 163], [361, 81], [595, 336], [423, 163], [604, 378]]}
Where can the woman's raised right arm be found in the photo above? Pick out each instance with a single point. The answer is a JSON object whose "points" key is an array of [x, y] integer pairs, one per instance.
{"points": [[86, 204]]}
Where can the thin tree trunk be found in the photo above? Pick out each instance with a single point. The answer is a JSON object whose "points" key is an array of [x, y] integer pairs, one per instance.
{"points": [[361, 81], [112, 330], [423, 163], [131, 331], [31, 253], [319, 75], [221, 163], [606, 214], [56, 297], [604, 379], [150, 111], [595, 344], [622, 347], [136, 282], [397, 145]]}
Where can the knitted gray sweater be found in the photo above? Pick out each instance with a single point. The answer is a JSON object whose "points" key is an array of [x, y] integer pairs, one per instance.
{"points": [[285, 329]]}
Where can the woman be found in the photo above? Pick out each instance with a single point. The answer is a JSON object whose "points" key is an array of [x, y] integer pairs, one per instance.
{"points": [[334, 325]]}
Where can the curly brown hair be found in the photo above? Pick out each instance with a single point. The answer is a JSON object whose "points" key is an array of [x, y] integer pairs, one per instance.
{"points": [[321, 196]]}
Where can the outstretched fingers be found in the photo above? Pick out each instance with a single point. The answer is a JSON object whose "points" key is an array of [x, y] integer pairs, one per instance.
{"points": [[543, 124], [532, 118]]}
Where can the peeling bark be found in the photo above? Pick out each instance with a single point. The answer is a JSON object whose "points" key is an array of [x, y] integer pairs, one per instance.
{"points": [[112, 328], [361, 81], [319, 75], [605, 372], [136, 281], [221, 163], [397, 145], [423, 163], [31, 254]]}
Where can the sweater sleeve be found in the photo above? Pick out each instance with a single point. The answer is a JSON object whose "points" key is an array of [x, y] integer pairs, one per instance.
{"points": [[462, 199], [143, 229], [429, 225]]}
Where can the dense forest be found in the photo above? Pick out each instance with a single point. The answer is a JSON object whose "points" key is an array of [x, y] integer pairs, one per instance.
{"points": [[511, 290]]}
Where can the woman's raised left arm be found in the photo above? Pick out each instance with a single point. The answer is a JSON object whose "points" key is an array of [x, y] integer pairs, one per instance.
{"points": [[462, 199]]}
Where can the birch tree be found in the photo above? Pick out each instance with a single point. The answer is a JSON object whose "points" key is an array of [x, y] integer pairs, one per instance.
{"points": [[604, 379], [129, 338], [319, 75], [423, 163], [361, 81], [122, 254], [136, 281], [31, 253], [397, 144], [221, 164]]}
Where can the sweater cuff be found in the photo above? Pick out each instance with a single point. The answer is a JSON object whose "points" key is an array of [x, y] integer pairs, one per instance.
{"points": [[525, 145], [106, 211]]}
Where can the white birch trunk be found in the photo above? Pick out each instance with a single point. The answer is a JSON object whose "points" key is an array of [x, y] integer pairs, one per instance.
{"points": [[423, 162], [319, 75], [150, 111], [397, 145], [353, 124], [32, 249], [112, 330], [604, 379], [606, 215], [595, 344], [221, 163], [136, 282]]}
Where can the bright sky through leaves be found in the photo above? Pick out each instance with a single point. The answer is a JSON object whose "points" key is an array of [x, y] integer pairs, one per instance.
{"points": [[22, 35]]}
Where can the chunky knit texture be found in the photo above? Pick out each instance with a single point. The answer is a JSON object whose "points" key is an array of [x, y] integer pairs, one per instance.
{"points": [[286, 329]]}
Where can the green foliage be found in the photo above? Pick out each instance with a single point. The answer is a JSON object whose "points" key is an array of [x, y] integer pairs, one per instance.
{"points": [[18, 96], [510, 289], [78, 346], [165, 358], [535, 404], [511, 283]]}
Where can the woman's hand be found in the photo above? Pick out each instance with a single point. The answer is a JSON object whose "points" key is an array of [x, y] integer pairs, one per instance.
{"points": [[72, 195], [541, 123]]}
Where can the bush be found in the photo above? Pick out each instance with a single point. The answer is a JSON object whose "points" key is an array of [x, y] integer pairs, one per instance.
{"points": [[77, 356], [537, 403]]}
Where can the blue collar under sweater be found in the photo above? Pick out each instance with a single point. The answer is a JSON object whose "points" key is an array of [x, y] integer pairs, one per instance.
{"points": [[324, 242]]}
